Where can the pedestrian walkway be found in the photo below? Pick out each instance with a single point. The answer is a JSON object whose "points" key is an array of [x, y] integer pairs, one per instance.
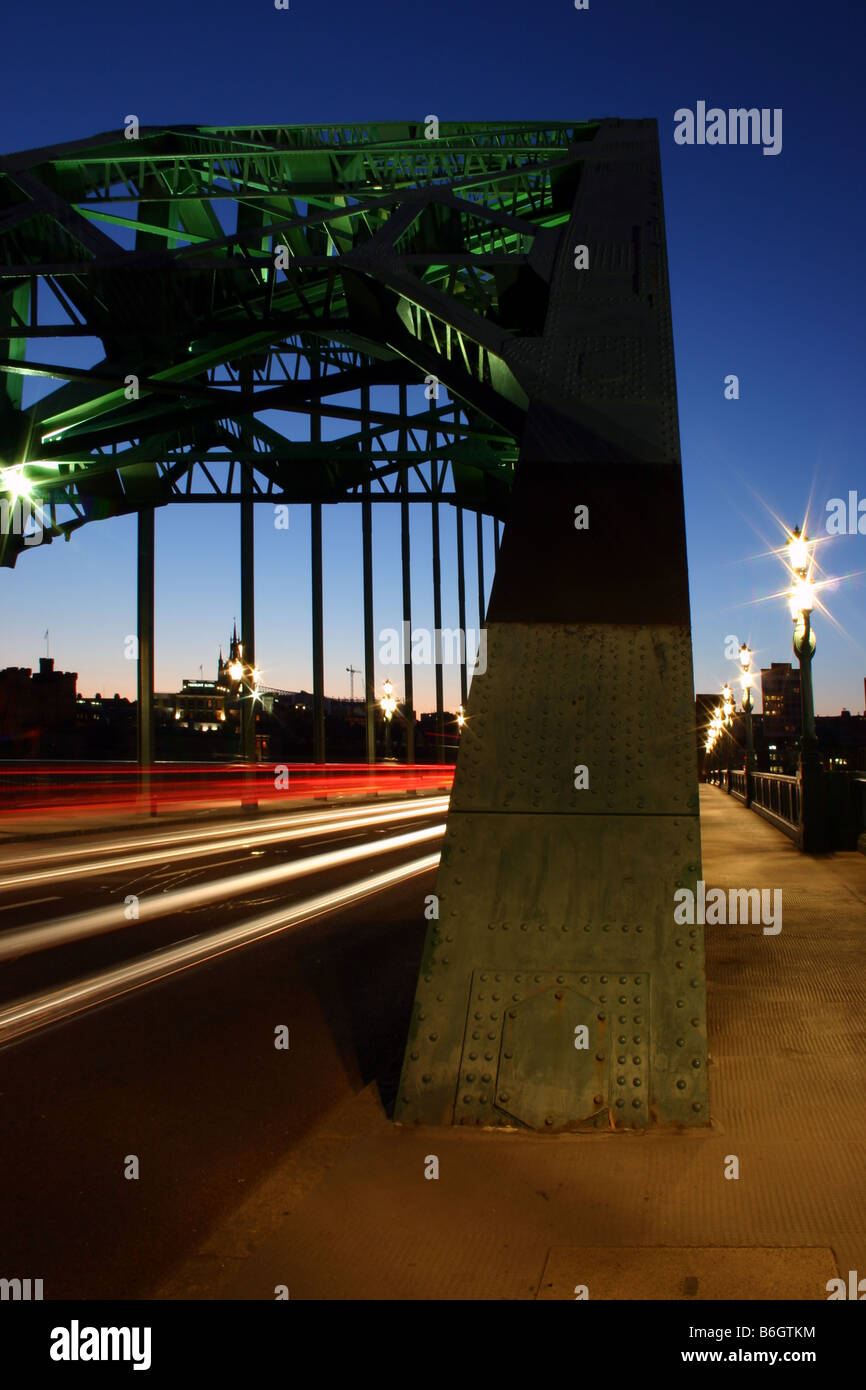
{"points": [[649, 1216]]}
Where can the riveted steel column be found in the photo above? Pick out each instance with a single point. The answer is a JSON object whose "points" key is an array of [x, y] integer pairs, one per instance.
{"points": [[479, 550], [248, 615], [144, 706], [437, 636], [369, 649], [318, 634], [562, 983], [408, 687], [461, 606]]}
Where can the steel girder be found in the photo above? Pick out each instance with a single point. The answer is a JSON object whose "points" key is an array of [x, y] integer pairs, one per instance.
{"points": [[562, 983], [226, 288]]}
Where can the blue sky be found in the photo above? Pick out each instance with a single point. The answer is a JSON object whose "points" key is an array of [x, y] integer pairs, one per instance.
{"points": [[767, 279]]}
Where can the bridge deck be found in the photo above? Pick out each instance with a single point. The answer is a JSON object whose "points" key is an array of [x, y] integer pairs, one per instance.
{"points": [[520, 1216]]}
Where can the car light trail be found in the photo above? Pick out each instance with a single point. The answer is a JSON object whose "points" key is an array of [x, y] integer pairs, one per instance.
{"points": [[41, 937], [185, 848], [42, 1010]]}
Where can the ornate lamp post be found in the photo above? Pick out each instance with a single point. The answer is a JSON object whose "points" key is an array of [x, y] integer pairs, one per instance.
{"points": [[247, 680], [746, 681], [802, 600], [388, 705]]}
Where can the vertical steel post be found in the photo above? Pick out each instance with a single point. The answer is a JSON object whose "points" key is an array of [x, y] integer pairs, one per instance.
{"points": [[248, 618], [318, 634], [144, 707], [317, 600], [369, 652], [479, 545], [437, 635], [461, 606], [409, 695]]}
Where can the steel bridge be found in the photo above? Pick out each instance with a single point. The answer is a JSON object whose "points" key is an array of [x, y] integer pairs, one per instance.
{"points": [[307, 314], [469, 313]]}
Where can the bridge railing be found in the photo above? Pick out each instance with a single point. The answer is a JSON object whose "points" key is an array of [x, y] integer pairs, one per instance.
{"points": [[776, 797], [820, 810]]}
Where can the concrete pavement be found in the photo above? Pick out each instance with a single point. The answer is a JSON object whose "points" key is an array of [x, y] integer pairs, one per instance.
{"points": [[650, 1215]]}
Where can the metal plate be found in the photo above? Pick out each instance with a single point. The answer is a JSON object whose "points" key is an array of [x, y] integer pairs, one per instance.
{"points": [[531, 1074]]}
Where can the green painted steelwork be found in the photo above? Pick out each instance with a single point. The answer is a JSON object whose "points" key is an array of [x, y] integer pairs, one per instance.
{"points": [[203, 348]]}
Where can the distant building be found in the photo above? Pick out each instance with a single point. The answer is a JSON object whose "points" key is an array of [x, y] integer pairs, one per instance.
{"points": [[780, 698], [37, 710]]}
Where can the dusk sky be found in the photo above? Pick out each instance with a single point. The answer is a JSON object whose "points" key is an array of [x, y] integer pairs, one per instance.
{"points": [[767, 280]]}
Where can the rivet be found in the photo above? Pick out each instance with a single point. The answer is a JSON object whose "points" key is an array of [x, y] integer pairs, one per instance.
{"points": [[598, 1100], [697, 1106], [434, 1037], [548, 1119], [503, 1095], [681, 1042], [636, 1104], [415, 1056], [427, 1078], [681, 1085]]}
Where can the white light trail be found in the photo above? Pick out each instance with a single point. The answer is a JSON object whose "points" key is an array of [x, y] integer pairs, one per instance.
{"points": [[238, 836], [41, 1010], [40, 937]]}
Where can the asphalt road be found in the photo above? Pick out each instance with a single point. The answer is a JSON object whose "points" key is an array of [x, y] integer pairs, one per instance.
{"points": [[184, 1074]]}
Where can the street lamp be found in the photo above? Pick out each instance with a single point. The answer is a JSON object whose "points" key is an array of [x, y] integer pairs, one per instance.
{"points": [[812, 832], [388, 705], [746, 681], [801, 603]]}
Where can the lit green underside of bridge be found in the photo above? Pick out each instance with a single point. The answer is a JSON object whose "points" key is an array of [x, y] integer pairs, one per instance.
{"points": [[154, 259]]}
